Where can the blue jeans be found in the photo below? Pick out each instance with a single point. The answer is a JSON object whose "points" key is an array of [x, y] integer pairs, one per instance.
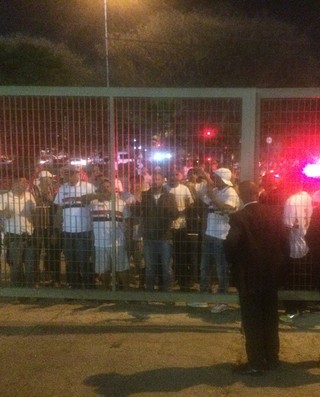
{"points": [[78, 249], [158, 252], [212, 254]]}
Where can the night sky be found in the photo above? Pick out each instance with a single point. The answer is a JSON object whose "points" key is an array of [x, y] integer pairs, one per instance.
{"points": [[304, 14], [29, 16]]}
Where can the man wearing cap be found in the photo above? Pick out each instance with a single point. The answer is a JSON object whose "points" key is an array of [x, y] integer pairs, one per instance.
{"points": [[44, 193], [76, 228], [221, 199]]}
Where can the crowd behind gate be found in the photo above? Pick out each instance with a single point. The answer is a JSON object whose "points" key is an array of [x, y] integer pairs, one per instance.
{"points": [[164, 231]]}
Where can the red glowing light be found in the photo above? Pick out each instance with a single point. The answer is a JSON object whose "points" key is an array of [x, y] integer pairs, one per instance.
{"points": [[209, 133]]}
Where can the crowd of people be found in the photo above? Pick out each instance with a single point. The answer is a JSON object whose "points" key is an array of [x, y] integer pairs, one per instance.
{"points": [[187, 229], [163, 232]]}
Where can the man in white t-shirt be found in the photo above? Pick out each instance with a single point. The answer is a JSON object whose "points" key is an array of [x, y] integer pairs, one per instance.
{"points": [[296, 217], [76, 228], [17, 208], [221, 199], [101, 208]]}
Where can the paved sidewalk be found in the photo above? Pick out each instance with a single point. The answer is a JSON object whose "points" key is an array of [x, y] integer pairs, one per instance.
{"points": [[120, 350]]}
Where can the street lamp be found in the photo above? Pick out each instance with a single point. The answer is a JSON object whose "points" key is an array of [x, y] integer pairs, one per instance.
{"points": [[106, 40]]}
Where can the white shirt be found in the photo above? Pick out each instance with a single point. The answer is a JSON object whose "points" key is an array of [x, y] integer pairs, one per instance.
{"points": [[101, 212], [22, 208], [218, 221], [182, 195], [76, 216], [296, 215]]}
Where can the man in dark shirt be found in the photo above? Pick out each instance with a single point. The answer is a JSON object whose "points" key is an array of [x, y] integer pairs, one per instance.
{"points": [[255, 247], [158, 210]]}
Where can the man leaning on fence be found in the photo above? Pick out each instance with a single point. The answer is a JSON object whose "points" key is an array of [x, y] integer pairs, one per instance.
{"points": [[256, 247], [221, 199], [77, 228], [158, 211], [46, 237], [101, 208], [17, 207]]}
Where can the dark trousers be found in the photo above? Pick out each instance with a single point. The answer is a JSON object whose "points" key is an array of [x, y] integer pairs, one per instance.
{"points": [[181, 261], [52, 252], [298, 277], [259, 314], [21, 258], [78, 250]]}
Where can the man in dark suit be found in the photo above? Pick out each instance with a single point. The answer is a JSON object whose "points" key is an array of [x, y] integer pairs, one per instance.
{"points": [[255, 247]]}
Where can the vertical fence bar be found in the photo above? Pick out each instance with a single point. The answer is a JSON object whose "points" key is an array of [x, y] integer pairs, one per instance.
{"points": [[248, 136], [112, 146]]}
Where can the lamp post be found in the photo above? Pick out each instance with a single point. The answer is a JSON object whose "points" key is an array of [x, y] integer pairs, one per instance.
{"points": [[106, 40]]}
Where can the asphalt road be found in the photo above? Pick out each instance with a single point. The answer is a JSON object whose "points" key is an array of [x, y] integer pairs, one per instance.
{"points": [[119, 350]]}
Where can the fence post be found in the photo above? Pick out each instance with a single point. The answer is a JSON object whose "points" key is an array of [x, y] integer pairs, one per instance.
{"points": [[249, 136]]}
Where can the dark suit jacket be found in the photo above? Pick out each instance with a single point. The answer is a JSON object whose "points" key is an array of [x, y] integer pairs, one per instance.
{"points": [[313, 235], [255, 247], [157, 216]]}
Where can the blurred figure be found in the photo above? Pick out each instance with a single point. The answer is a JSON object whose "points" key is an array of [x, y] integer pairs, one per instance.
{"points": [[296, 217], [188, 166], [255, 247], [94, 173], [272, 192], [147, 178], [194, 219], [312, 238], [135, 239], [17, 208]]}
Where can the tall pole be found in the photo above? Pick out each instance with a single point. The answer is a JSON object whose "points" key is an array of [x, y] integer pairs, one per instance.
{"points": [[106, 40]]}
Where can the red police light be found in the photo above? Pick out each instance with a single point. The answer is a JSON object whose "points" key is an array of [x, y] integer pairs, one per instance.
{"points": [[209, 133]]}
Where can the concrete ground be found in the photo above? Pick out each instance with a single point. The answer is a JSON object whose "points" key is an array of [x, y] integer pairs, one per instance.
{"points": [[59, 348]]}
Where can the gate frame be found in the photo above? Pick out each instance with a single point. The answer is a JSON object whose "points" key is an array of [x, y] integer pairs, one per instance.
{"points": [[249, 154]]}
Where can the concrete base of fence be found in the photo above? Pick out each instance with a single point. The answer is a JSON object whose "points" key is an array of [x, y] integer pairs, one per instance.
{"points": [[138, 296]]}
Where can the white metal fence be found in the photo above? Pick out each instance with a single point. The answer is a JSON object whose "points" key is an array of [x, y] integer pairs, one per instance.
{"points": [[122, 133]]}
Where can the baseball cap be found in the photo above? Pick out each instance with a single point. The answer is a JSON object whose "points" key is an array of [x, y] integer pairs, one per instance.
{"points": [[225, 175]]}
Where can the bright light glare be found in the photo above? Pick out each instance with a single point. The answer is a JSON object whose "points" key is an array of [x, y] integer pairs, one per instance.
{"points": [[160, 156], [312, 170], [78, 161]]}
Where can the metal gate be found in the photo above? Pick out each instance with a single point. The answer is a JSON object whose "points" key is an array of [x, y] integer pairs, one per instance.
{"points": [[123, 136]]}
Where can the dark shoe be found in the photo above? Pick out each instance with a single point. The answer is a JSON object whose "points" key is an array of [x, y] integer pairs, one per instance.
{"points": [[288, 318], [248, 370], [272, 365]]}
